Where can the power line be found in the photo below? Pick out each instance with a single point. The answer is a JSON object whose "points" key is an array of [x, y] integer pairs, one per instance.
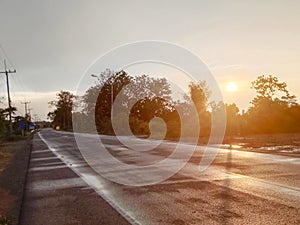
{"points": [[15, 79], [6, 57], [29, 114], [6, 72], [19, 84], [25, 104]]}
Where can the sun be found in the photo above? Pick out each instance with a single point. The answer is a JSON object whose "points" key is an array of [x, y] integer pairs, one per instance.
{"points": [[231, 87]]}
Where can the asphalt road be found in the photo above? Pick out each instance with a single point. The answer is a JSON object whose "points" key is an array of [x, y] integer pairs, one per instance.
{"points": [[239, 187]]}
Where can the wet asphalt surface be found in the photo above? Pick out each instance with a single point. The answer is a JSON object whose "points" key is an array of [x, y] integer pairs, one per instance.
{"points": [[54, 194], [239, 188]]}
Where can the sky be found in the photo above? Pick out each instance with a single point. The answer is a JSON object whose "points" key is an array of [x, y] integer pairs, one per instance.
{"points": [[52, 43]]}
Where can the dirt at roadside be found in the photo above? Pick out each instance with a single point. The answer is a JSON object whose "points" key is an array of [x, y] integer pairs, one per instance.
{"points": [[14, 157]]}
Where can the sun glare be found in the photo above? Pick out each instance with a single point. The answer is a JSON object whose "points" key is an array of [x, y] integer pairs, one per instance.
{"points": [[231, 87]]}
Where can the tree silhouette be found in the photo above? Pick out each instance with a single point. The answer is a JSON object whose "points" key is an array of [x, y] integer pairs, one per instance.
{"points": [[157, 103], [270, 109], [233, 119], [200, 94], [62, 115], [269, 88], [4, 113]]}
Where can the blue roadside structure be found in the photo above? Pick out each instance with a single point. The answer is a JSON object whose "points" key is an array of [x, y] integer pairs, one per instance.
{"points": [[22, 126], [31, 126]]}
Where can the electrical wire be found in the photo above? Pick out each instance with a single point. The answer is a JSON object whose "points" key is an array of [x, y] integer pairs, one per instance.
{"points": [[6, 57], [14, 78]]}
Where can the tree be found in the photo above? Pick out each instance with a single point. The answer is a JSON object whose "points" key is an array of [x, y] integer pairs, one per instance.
{"points": [[269, 109], [145, 96], [269, 89], [157, 101], [62, 115], [5, 112], [200, 94], [3, 122], [4, 119], [152, 97], [233, 119], [108, 90]]}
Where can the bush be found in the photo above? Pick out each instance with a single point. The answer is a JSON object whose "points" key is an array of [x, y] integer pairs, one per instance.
{"points": [[4, 220]]}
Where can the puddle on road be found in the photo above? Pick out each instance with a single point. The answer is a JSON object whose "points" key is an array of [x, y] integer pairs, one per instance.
{"points": [[243, 146], [295, 150], [281, 148]]}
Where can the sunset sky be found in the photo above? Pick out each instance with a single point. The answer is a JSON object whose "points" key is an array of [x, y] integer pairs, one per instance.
{"points": [[52, 43]]}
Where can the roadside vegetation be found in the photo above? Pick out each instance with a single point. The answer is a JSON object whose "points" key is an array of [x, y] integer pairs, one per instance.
{"points": [[4, 158], [4, 220], [17, 133], [272, 111], [11, 145], [14, 157]]}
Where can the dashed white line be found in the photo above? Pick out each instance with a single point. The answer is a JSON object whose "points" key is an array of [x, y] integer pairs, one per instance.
{"points": [[95, 184]]}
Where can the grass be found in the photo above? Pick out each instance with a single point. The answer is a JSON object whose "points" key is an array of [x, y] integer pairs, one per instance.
{"points": [[5, 201], [15, 137], [4, 220], [4, 157]]}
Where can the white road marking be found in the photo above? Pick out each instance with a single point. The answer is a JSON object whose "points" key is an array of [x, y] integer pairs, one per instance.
{"points": [[41, 151], [46, 168], [43, 159], [60, 163], [52, 185], [215, 177], [96, 184]]}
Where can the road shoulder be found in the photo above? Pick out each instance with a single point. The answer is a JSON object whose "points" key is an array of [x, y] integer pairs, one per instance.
{"points": [[13, 179]]}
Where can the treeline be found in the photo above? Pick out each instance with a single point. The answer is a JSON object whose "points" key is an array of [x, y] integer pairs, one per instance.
{"points": [[4, 121], [61, 117], [16, 121], [273, 110]]}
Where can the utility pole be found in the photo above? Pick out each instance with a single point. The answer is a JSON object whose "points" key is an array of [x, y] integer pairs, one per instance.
{"points": [[25, 103], [8, 94], [29, 114]]}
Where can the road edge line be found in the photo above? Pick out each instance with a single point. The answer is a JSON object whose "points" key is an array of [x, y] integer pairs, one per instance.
{"points": [[23, 191], [116, 207]]}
